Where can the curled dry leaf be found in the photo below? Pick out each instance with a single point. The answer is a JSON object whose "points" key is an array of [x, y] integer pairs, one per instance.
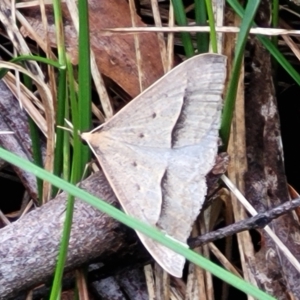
{"points": [[115, 55]]}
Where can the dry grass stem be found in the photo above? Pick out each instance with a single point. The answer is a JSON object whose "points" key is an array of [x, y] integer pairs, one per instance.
{"points": [[221, 29]]}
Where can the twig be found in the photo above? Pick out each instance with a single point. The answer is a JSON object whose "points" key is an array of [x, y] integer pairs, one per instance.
{"points": [[258, 221]]}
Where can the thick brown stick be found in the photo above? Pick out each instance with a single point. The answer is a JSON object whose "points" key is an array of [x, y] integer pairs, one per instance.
{"points": [[29, 247]]}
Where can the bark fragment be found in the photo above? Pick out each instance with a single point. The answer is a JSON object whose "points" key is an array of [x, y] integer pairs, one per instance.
{"points": [[13, 118], [265, 179], [29, 247]]}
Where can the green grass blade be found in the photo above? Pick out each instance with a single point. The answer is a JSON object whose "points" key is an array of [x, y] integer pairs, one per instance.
{"points": [[61, 91], [81, 121], [67, 158], [137, 225], [230, 97], [59, 144], [181, 20], [202, 38], [22, 58], [36, 154], [63, 250], [60, 115], [75, 176], [211, 20], [84, 79], [269, 45]]}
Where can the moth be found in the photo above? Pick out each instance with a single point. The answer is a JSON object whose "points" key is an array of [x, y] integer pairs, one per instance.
{"points": [[157, 150]]}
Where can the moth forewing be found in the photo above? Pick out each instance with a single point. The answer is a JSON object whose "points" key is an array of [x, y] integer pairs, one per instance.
{"points": [[157, 150]]}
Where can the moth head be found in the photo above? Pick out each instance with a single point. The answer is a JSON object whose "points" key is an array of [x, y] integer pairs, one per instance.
{"points": [[91, 139], [85, 137]]}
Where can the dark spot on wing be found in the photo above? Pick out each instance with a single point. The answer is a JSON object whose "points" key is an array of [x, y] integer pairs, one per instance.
{"points": [[134, 164], [180, 122], [138, 187], [141, 135], [153, 115]]}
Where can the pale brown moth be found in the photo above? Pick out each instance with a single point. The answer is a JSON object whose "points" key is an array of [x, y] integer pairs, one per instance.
{"points": [[157, 150]]}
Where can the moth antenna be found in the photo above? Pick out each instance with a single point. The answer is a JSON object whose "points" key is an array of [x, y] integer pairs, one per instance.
{"points": [[69, 124], [69, 127], [6, 132], [65, 128]]}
